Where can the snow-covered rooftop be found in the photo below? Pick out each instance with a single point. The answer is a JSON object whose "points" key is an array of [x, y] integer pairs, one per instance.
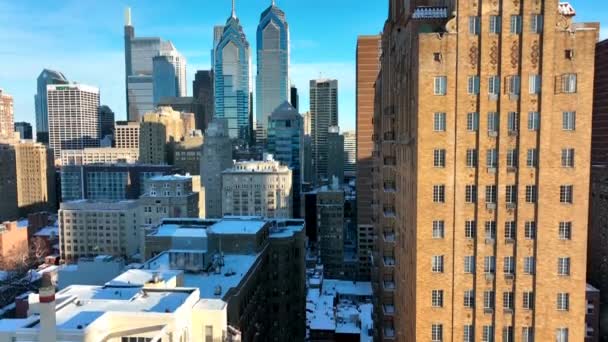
{"points": [[48, 231], [346, 287], [167, 178], [238, 225], [136, 277], [177, 230]]}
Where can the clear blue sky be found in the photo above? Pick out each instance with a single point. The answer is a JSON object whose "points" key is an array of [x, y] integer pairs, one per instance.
{"points": [[84, 40]]}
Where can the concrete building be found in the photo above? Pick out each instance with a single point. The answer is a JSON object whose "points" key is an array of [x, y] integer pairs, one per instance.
{"points": [[73, 117], [330, 227], [101, 155], [257, 188], [105, 182], [188, 104], [323, 115], [25, 130], [13, 244], [126, 134], [285, 143], [203, 93], [158, 133], [232, 79], [216, 157], [187, 153], [92, 228], [7, 116], [336, 156], [467, 183], [256, 266], [167, 197], [46, 77], [272, 79], [350, 154], [9, 209], [36, 188]]}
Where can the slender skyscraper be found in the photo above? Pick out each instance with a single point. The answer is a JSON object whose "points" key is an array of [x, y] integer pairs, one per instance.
{"points": [[7, 120], [323, 115], [232, 78], [272, 81], [294, 98], [45, 78], [202, 88]]}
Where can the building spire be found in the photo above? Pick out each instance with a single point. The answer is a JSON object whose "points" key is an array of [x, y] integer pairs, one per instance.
{"points": [[233, 10], [128, 16], [273, 3]]}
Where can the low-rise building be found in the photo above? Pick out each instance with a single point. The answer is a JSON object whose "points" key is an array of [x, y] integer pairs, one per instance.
{"points": [[35, 177], [187, 153], [90, 271], [101, 155], [167, 197]]}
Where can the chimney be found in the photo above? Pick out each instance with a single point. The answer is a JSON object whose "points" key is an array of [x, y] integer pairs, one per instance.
{"points": [[48, 321]]}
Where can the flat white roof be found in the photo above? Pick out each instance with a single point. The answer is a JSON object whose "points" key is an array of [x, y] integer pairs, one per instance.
{"points": [[176, 230], [236, 225], [135, 277], [346, 287]]}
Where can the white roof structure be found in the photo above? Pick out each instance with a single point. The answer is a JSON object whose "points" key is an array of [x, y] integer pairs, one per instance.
{"points": [[238, 225]]}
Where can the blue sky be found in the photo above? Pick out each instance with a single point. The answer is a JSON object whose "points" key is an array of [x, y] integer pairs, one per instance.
{"points": [[84, 40]]}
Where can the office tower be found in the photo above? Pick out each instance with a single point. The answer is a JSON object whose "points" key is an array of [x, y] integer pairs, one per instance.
{"points": [[286, 144], [186, 104], [126, 134], [73, 117], [25, 130], [232, 84], [85, 228], [203, 92], [46, 77], [187, 153], [264, 191], [307, 123], [106, 121], [272, 80], [368, 65], [101, 155], [7, 125], [330, 223], [35, 167], [159, 131], [323, 115], [335, 155], [8, 183], [350, 154], [168, 196], [294, 98], [308, 173], [218, 32], [139, 69], [480, 206], [169, 75], [216, 157]]}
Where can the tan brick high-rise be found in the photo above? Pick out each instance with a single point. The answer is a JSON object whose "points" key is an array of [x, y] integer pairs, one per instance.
{"points": [[483, 123]]}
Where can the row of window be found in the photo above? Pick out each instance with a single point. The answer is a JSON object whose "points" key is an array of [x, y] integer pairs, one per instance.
{"points": [[566, 194], [515, 24], [565, 83], [439, 158], [489, 299], [568, 122], [489, 265], [561, 334], [564, 231]]}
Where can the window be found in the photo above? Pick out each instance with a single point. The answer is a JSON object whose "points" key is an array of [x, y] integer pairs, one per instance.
{"points": [[469, 334], [471, 194], [535, 84], [441, 85], [493, 123], [472, 122], [511, 194], [439, 158], [532, 158], [528, 300], [533, 121], [437, 333], [489, 264], [208, 333], [439, 193], [531, 194], [568, 157], [471, 158], [563, 266], [439, 122], [568, 121], [469, 229], [437, 264], [469, 264], [515, 24], [511, 158], [530, 230], [536, 23], [491, 158], [509, 265], [561, 335], [488, 333], [488, 300], [437, 298], [507, 300], [513, 85], [507, 334], [473, 85], [565, 230], [490, 230], [474, 25], [494, 87], [568, 83], [512, 122], [529, 265], [565, 194], [569, 54], [438, 229], [510, 230], [563, 301], [495, 24], [469, 299], [490, 193], [527, 334], [437, 56]]}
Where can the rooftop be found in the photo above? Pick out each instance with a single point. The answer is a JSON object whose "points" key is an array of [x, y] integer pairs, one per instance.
{"points": [[238, 225], [176, 230], [136, 277], [168, 178]]}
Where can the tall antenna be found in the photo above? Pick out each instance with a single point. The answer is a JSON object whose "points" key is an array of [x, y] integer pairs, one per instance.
{"points": [[273, 2], [128, 16], [233, 10]]}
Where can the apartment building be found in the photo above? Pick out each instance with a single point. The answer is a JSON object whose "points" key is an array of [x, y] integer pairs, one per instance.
{"points": [[126, 134], [165, 197], [492, 111], [159, 131], [35, 177]]}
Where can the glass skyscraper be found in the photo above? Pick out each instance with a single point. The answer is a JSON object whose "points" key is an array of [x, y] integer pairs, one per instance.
{"points": [[272, 81], [169, 75], [232, 83], [46, 77]]}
